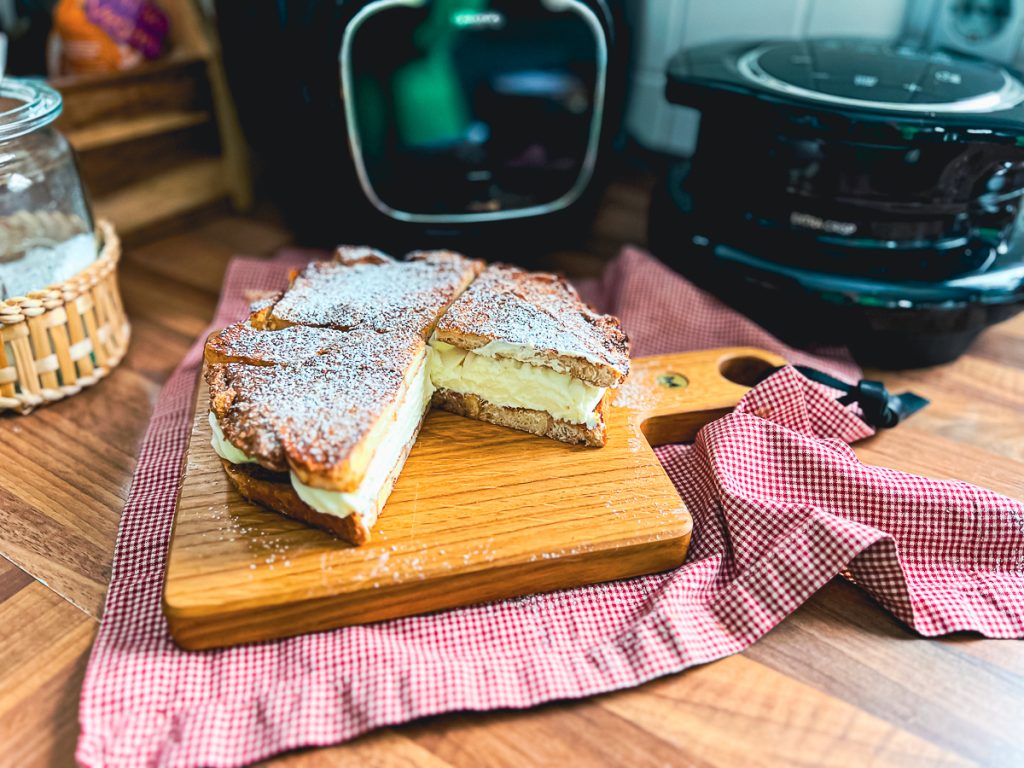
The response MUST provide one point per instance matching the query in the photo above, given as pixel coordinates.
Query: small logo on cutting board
(673, 380)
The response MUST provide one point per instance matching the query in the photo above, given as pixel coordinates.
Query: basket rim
(67, 337)
(60, 293)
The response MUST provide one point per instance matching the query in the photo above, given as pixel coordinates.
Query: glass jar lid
(26, 106)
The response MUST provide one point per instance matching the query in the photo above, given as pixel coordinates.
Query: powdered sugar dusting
(540, 311)
(375, 291)
(264, 300)
(297, 345)
(635, 393)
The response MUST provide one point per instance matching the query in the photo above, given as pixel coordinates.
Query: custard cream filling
(363, 499)
(223, 448)
(514, 383)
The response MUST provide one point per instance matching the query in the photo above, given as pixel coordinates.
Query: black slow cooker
(855, 191)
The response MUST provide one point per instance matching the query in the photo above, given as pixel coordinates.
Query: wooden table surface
(838, 683)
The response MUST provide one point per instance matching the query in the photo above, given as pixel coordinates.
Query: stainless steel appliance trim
(589, 159)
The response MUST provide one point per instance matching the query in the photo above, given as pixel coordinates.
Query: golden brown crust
(542, 315)
(523, 419)
(251, 433)
(310, 400)
(260, 307)
(360, 254)
(274, 491)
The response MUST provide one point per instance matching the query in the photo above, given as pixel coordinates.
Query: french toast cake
(316, 400)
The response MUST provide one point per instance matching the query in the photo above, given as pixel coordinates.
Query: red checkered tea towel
(780, 505)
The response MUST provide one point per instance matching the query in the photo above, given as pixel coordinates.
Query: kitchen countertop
(838, 683)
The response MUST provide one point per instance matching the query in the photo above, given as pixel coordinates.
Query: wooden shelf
(189, 187)
(175, 59)
(160, 141)
(113, 132)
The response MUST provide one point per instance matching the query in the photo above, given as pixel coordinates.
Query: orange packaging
(90, 36)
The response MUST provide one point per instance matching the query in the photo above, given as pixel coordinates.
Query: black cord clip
(881, 409)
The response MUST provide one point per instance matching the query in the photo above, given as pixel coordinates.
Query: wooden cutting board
(479, 513)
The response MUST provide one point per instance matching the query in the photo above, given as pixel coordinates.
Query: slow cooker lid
(877, 75)
(853, 84)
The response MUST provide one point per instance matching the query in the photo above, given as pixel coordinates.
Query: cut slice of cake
(522, 350)
(364, 288)
(317, 423)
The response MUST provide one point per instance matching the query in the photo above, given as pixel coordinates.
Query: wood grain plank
(739, 712)
(63, 532)
(197, 259)
(12, 579)
(189, 186)
(923, 452)
(842, 644)
(104, 134)
(993, 421)
(1002, 344)
(385, 748)
(971, 377)
(981, 424)
(153, 355)
(181, 308)
(133, 163)
(44, 645)
(260, 235)
(561, 734)
(170, 85)
(59, 506)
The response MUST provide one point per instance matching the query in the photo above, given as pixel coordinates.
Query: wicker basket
(58, 340)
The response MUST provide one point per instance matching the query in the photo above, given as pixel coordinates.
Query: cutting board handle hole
(745, 370)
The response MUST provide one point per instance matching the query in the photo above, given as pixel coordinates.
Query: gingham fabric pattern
(780, 504)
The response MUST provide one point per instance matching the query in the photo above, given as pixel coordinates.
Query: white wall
(664, 26)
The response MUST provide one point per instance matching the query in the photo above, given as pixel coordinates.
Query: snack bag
(105, 35)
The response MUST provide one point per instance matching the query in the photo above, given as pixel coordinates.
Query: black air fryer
(429, 122)
(851, 191)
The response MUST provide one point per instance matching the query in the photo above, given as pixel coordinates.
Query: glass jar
(46, 227)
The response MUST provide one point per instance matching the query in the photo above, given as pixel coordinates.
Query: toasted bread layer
(273, 490)
(291, 403)
(535, 422)
(364, 288)
(537, 318)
